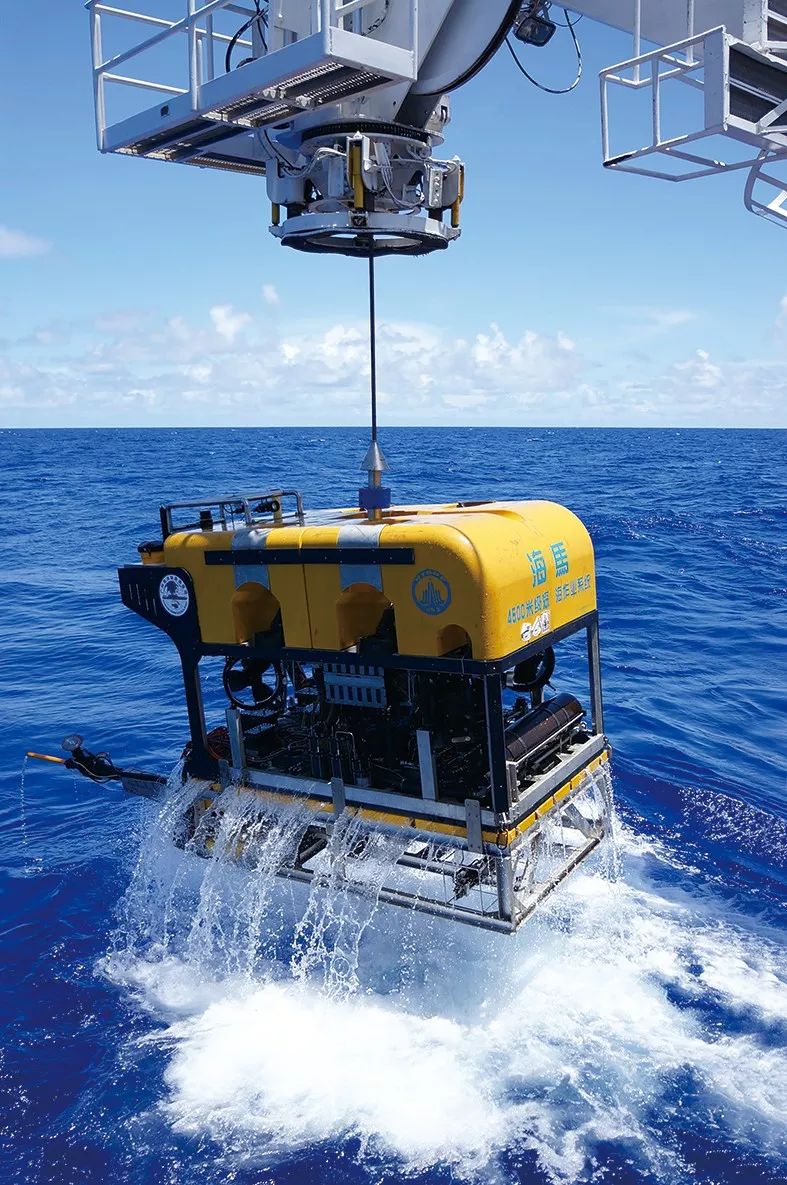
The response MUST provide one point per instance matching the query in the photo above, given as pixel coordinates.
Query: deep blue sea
(635, 1032)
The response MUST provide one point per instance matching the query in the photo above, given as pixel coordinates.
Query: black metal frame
(139, 586)
(248, 557)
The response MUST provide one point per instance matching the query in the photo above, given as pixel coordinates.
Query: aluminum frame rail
(764, 181)
(209, 118)
(489, 886)
(730, 76)
(776, 28)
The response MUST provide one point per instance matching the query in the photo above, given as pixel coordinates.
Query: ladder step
(185, 139)
(777, 26)
(757, 85)
(229, 164)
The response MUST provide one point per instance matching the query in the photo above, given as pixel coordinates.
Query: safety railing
(699, 62)
(204, 41)
(233, 511)
(766, 189)
(743, 97)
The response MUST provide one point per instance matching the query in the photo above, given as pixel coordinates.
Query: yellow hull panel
(499, 575)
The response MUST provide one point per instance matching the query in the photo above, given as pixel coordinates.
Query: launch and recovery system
(432, 672)
(340, 104)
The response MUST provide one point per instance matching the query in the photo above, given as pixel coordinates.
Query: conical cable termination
(374, 497)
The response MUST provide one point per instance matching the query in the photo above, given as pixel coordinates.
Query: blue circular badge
(431, 592)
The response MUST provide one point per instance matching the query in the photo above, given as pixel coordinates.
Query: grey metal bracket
(426, 764)
(475, 835)
(237, 743)
(338, 797)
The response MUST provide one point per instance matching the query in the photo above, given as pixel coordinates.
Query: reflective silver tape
(251, 539)
(360, 535)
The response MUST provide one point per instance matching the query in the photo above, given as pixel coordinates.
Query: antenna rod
(373, 341)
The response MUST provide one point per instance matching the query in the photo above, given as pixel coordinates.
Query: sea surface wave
(160, 1023)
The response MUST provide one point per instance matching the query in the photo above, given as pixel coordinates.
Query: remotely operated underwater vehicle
(392, 665)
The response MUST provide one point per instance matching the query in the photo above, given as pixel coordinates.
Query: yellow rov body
(397, 671)
(485, 575)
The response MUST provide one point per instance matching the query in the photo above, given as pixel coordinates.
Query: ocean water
(163, 1023)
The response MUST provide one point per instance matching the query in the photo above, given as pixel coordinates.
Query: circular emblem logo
(431, 592)
(174, 595)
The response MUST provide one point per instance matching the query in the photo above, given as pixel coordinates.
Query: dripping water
(23, 819)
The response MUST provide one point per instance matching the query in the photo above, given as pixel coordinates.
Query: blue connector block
(374, 497)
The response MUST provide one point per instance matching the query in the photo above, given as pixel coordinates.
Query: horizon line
(393, 427)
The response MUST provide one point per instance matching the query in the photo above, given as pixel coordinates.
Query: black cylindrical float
(531, 734)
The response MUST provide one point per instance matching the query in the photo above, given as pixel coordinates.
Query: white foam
(296, 1067)
(460, 1048)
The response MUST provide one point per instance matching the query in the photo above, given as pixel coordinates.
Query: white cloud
(270, 294)
(701, 372)
(199, 372)
(465, 402)
(663, 319)
(17, 244)
(233, 366)
(781, 320)
(646, 321)
(227, 322)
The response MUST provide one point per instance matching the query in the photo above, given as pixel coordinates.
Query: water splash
(23, 813)
(217, 901)
(327, 938)
(300, 1015)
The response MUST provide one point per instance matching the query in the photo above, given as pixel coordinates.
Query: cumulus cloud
(701, 372)
(227, 322)
(17, 244)
(231, 366)
(270, 294)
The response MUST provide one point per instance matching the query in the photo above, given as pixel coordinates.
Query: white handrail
(347, 6)
(143, 18)
(202, 40)
(143, 84)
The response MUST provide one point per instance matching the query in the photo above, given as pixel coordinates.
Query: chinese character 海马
(560, 556)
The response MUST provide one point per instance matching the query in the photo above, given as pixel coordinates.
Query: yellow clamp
(355, 162)
(456, 208)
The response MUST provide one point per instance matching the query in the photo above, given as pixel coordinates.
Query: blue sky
(135, 292)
